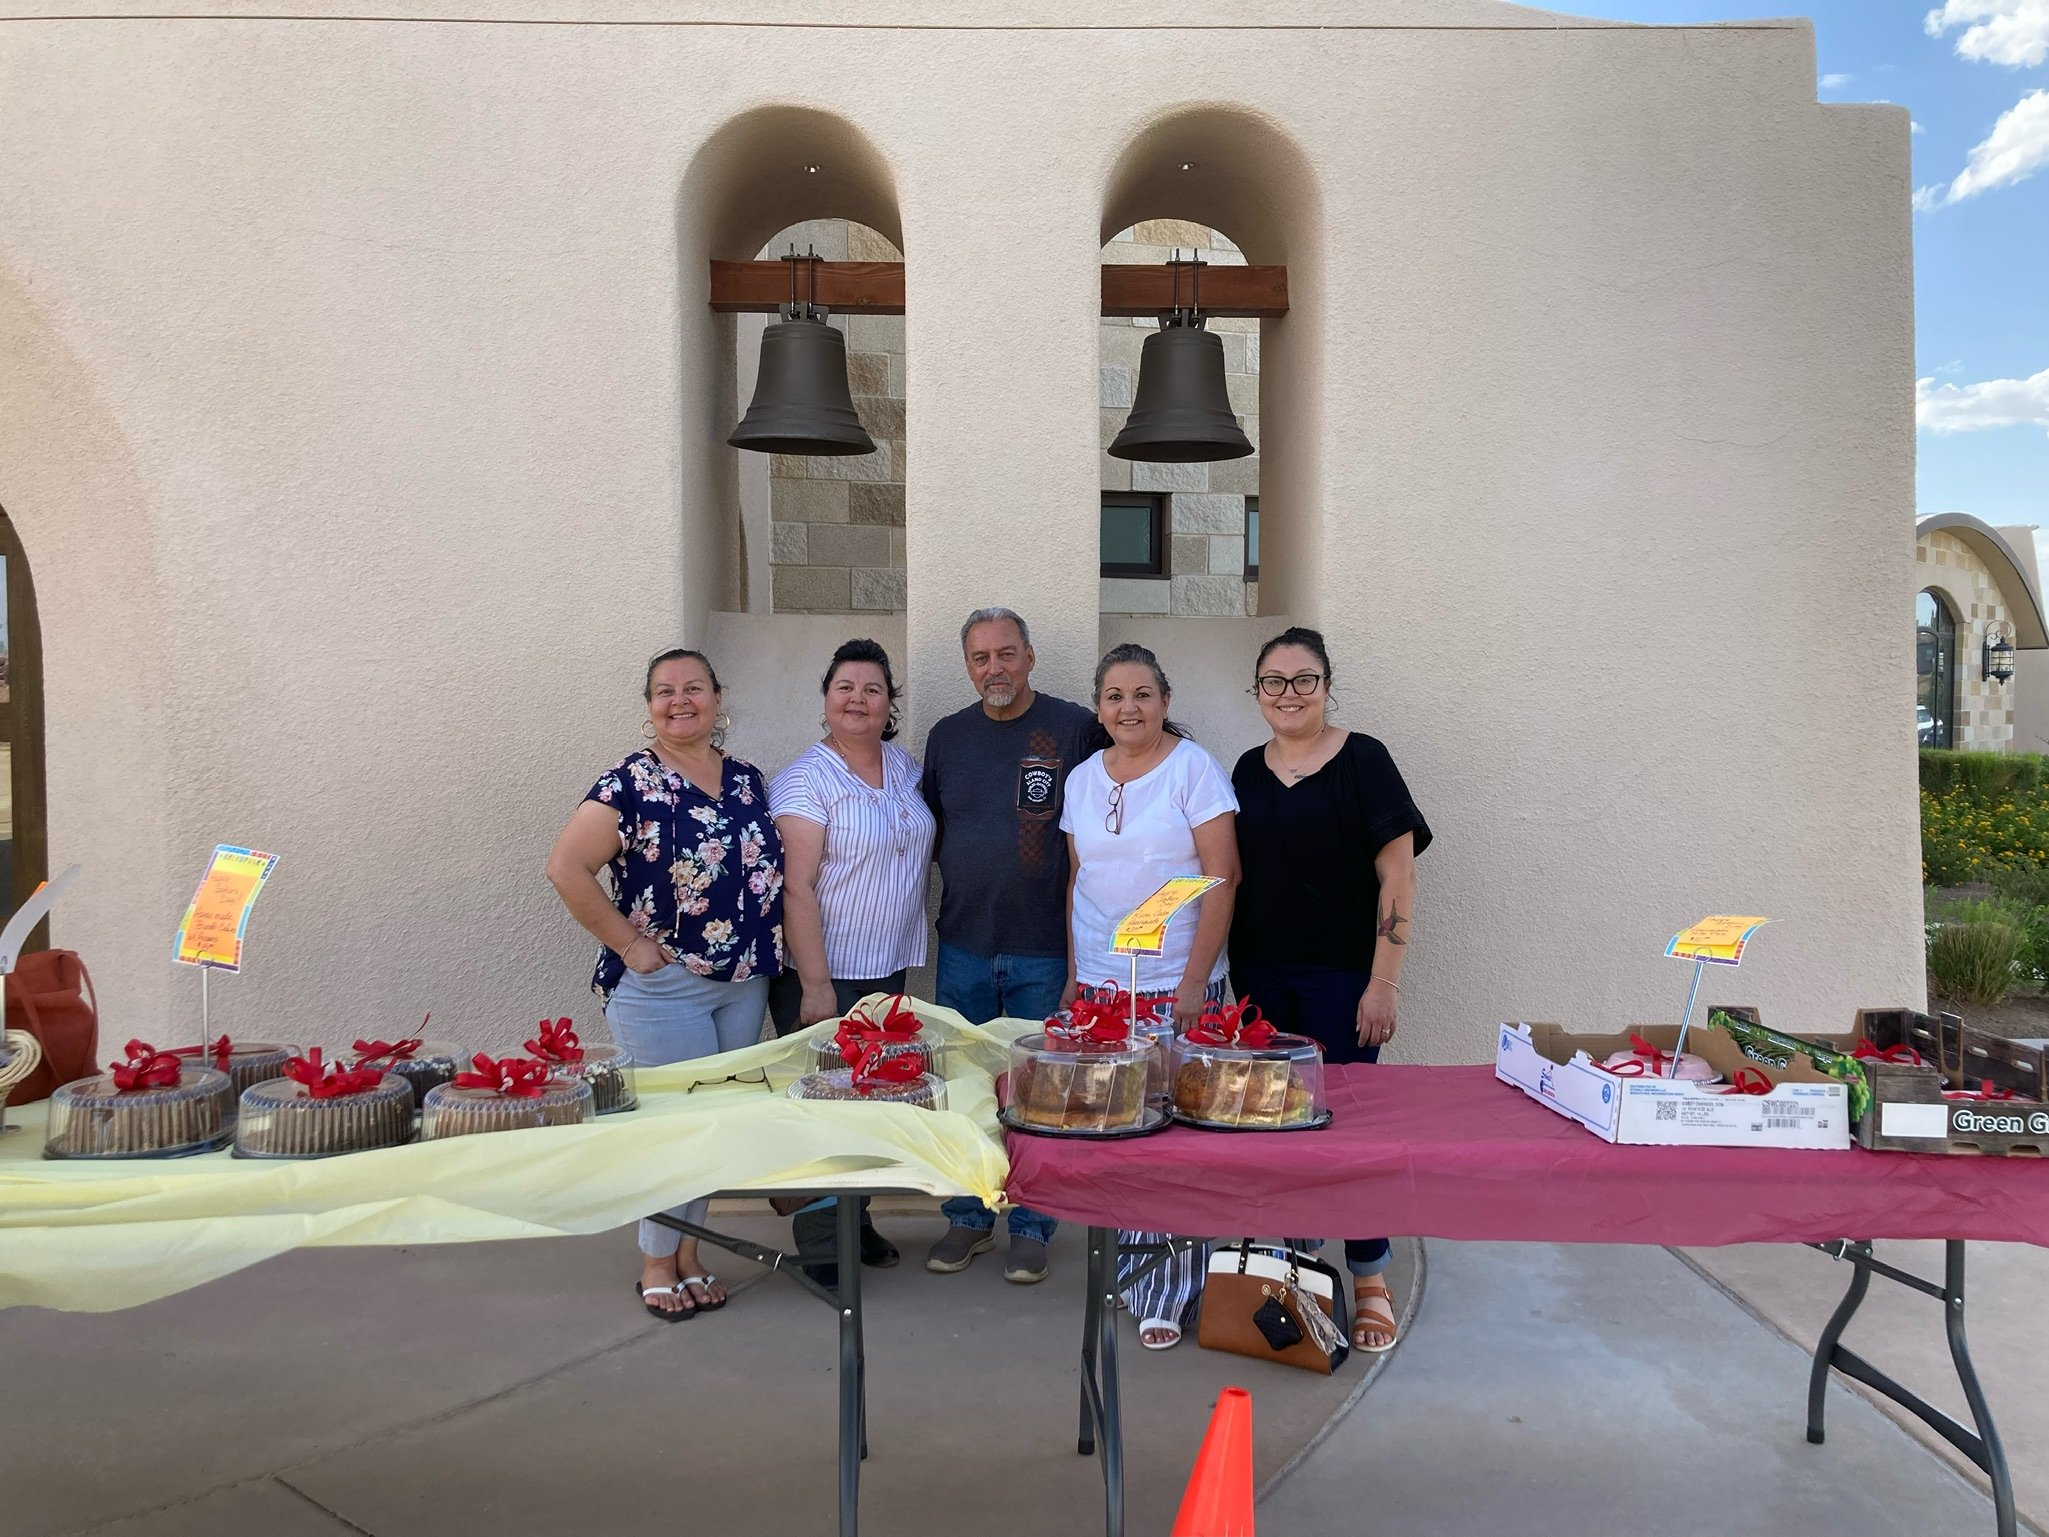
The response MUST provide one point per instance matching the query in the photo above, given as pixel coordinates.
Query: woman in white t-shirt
(1150, 806)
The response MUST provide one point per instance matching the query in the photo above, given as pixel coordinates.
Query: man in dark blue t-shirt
(993, 778)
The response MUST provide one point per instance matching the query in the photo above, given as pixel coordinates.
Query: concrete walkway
(516, 1388)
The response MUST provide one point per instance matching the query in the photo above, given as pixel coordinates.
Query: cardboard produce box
(1561, 1070)
(1908, 1113)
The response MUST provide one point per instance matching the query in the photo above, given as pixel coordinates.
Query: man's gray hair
(989, 616)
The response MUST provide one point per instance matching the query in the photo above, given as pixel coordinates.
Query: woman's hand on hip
(645, 955)
(1376, 1013)
(819, 1003)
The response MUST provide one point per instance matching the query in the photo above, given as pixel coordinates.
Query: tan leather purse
(1273, 1304)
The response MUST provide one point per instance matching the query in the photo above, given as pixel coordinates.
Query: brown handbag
(50, 995)
(1273, 1304)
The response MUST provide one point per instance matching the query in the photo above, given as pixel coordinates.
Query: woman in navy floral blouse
(692, 927)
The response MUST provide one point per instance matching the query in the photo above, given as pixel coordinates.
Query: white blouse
(871, 879)
(1155, 841)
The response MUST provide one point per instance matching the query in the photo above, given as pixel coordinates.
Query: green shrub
(2029, 922)
(1974, 962)
(2024, 884)
(1984, 775)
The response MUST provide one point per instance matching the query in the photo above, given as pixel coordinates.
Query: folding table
(1452, 1152)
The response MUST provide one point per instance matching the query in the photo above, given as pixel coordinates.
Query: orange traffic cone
(1218, 1501)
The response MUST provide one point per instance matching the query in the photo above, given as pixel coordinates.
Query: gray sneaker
(1026, 1262)
(957, 1250)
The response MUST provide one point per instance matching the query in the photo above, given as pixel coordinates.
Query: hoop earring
(719, 728)
(647, 730)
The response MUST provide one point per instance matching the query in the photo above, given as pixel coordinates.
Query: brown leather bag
(1256, 1301)
(50, 995)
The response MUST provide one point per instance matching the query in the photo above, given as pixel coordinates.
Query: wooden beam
(1259, 293)
(846, 288)
(877, 288)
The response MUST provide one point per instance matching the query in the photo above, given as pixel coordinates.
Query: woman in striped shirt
(857, 837)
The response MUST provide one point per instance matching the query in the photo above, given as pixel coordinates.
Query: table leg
(1109, 1411)
(853, 1391)
(1092, 1301)
(1981, 1441)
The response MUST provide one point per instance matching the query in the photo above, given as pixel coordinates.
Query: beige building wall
(363, 417)
(1984, 709)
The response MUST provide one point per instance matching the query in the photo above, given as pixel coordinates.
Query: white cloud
(2017, 147)
(1914, 127)
(1835, 82)
(1946, 408)
(2009, 32)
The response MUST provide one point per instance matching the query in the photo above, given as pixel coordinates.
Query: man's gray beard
(999, 698)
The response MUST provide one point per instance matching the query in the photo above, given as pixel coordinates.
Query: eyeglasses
(1273, 685)
(753, 1078)
(1114, 822)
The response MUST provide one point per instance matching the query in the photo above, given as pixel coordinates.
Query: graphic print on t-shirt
(1038, 791)
(1037, 779)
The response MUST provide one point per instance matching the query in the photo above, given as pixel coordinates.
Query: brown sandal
(1372, 1313)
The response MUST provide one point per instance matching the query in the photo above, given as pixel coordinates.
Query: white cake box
(1805, 1108)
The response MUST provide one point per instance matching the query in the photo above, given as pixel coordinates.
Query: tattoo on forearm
(1390, 925)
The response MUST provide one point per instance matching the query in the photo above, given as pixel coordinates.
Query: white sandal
(666, 1315)
(1162, 1325)
(707, 1281)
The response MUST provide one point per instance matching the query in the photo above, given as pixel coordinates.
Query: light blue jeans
(672, 1016)
(985, 987)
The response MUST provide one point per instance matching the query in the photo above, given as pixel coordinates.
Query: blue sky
(1975, 76)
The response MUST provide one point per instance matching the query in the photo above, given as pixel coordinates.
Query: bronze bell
(802, 404)
(1181, 412)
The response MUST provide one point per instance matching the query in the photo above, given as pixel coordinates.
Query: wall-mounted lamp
(802, 404)
(1998, 651)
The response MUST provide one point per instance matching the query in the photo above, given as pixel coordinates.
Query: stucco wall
(362, 416)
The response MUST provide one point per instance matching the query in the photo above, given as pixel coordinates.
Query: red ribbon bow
(374, 1051)
(876, 1067)
(899, 1026)
(1232, 1024)
(331, 1079)
(220, 1050)
(1747, 1081)
(515, 1077)
(1900, 1056)
(557, 1042)
(147, 1068)
(1649, 1062)
(1099, 1017)
(1986, 1091)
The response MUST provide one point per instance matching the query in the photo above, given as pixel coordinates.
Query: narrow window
(1134, 533)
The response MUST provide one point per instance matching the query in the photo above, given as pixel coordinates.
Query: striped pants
(1172, 1290)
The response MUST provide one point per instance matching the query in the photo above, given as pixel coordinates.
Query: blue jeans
(981, 988)
(671, 1015)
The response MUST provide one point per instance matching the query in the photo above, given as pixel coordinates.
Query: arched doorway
(1935, 669)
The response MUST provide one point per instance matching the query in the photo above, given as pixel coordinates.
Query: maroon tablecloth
(1452, 1152)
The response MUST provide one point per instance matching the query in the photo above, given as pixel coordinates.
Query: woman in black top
(1327, 842)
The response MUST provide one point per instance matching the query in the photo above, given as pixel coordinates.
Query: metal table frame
(1980, 1444)
(1102, 1410)
(853, 1364)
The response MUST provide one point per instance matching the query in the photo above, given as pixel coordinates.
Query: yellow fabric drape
(96, 1235)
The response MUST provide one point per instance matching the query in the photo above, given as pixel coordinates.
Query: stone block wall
(1205, 502)
(1984, 709)
(836, 530)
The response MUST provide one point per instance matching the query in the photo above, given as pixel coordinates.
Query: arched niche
(1234, 170)
(760, 173)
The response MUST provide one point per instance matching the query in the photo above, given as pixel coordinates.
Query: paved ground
(2006, 1315)
(515, 1388)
